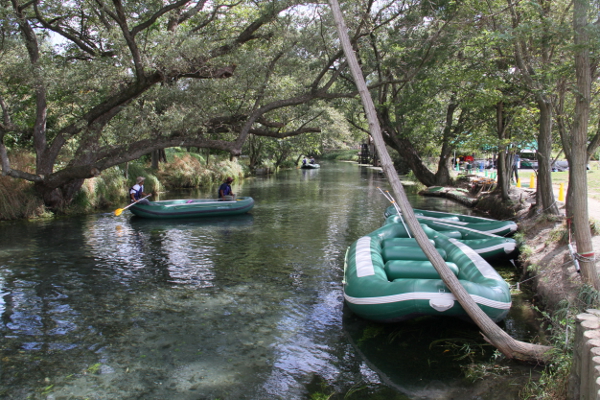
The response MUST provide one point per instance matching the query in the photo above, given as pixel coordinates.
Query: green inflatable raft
(193, 208)
(487, 245)
(500, 228)
(387, 277)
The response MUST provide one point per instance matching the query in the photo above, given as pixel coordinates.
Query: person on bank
(515, 167)
(225, 192)
(136, 192)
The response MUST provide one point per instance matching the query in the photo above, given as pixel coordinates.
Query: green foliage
(107, 189)
(415, 186)
(560, 325)
(340, 155)
(186, 171)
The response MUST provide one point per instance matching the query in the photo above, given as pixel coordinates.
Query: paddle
(118, 211)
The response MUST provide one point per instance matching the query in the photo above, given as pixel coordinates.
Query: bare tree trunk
(545, 191)
(154, 163)
(503, 161)
(496, 336)
(578, 157)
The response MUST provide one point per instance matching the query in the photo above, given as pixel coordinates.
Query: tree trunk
(496, 336)
(578, 205)
(545, 192)
(442, 176)
(407, 151)
(154, 162)
(503, 161)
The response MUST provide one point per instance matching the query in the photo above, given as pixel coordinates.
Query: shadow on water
(245, 307)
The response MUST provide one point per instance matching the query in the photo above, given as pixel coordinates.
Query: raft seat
(402, 242)
(403, 269)
(407, 253)
(451, 234)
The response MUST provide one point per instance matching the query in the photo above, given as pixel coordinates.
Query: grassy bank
(561, 295)
(182, 169)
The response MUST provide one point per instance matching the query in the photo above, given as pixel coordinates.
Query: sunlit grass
(593, 180)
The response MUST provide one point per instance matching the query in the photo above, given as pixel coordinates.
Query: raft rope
(388, 196)
(546, 209)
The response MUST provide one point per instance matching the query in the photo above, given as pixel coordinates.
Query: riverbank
(547, 270)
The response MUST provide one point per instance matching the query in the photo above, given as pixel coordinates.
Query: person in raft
(312, 160)
(304, 161)
(137, 192)
(225, 192)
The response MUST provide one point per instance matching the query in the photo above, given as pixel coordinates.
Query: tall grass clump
(186, 171)
(107, 189)
(176, 152)
(229, 168)
(18, 199)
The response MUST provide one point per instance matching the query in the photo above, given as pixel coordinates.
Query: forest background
(89, 89)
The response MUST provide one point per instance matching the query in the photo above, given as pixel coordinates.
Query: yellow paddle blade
(118, 211)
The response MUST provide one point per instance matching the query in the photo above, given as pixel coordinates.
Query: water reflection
(245, 307)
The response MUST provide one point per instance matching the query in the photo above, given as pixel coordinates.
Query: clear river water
(246, 307)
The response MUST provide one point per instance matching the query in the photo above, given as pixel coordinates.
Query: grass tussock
(189, 171)
(17, 196)
(105, 190)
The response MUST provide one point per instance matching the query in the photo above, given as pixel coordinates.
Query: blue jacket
(226, 188)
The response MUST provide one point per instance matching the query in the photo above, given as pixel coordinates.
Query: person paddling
(225, 192)
(136, 192)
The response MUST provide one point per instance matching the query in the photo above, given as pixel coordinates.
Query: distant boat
(310, 166)
(501, 228)
(387, 278)
(193, 208)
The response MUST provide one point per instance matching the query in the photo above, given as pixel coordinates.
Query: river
(246, 307)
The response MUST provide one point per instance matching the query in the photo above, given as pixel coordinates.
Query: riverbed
(244, 307)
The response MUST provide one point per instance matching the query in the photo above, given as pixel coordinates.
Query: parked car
(560, 165)
(563, 165)
(526, 163)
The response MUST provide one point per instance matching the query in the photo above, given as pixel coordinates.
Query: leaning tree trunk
(496, 336)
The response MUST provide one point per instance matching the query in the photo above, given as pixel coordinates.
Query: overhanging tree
(496, 336)
(74, 105)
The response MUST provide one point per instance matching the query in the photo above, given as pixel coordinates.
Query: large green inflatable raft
(487, 245)
(193, 208)
(387, 277)
(501, 228)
